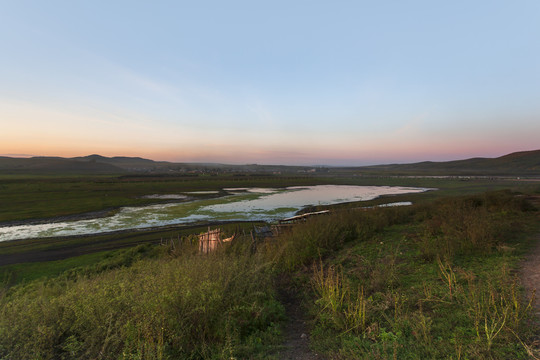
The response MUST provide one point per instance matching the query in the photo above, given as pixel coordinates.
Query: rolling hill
(55, 165)
(524, 163)
(518, 163)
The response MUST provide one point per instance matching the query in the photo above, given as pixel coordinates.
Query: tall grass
(494, 306)
(425, 281)
(188, 307)
(338, 305)
(470, 224)
(320, 236)
(393, 294)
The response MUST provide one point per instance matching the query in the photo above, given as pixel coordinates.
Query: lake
(240, 204)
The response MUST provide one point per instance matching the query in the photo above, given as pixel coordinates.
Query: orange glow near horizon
(294, 94)
(51, 132)
(344, 156)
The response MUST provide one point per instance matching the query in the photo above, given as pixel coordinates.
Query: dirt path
(530, 277)
(530, 270)
(296, 332)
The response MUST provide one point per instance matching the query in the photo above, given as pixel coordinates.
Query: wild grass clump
(470, 224)
(381, 297)
(339, 306)
(494, 306)
(466, 317)
(189, 307)
(309, 240)
(427, 281)
(320, 236)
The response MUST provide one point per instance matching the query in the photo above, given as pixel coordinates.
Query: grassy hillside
(519, 163)
(55, 165)
(526, 163)
(98, 164)
(435, 280)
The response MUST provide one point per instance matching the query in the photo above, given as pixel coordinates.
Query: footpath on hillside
(530, 278)
(296, 346)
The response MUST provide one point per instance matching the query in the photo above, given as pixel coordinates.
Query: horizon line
(29, 156)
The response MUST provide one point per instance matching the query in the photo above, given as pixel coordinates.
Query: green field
(32, 197)
(46, 197)
(42, 197)
(433, 280)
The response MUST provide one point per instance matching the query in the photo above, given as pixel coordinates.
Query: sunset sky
(268, 82)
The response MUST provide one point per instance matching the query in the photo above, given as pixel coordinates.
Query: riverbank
(60, 248)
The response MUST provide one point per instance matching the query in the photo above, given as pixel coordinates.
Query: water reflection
(242, 204)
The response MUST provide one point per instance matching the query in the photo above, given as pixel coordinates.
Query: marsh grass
(31, 197)
(323, 235)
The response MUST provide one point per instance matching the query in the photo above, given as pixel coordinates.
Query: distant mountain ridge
(523, 163)
(53, 165)
(526, 163)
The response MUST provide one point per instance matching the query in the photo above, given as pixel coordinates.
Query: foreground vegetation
(433, 280)
(166, 307)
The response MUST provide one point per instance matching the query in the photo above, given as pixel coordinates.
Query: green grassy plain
(39, 197)
(433, 280)
(24, 197)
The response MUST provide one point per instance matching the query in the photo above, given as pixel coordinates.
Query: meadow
(45, 197)
(434, 280)
(27, 197)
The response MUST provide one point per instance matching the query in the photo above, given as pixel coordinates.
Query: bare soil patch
(296, 345)
(530, 269)
(530, 277)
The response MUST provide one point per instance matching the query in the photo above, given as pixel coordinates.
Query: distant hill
(525, 163)
(97, 164)
(55, 165)
(124, 163)
(518, 163)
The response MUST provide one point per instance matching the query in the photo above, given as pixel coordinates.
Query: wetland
(235, 204)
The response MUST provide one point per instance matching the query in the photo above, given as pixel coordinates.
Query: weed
(156, 308)
(344, 309)
(448, 276)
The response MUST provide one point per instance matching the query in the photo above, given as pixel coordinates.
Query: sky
(270, 82)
